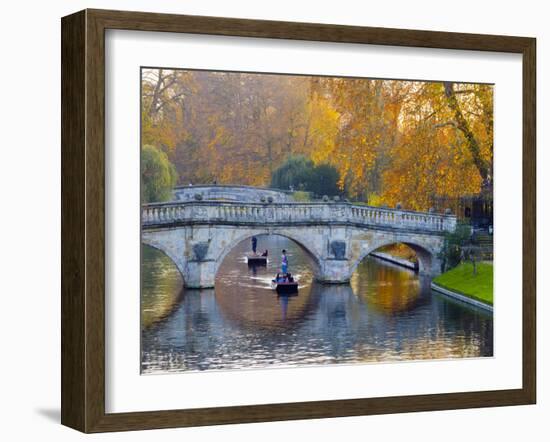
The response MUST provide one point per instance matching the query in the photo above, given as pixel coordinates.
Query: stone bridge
(225, 192)
(337, 236)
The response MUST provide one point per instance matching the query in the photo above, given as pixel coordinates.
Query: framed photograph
(267, 221)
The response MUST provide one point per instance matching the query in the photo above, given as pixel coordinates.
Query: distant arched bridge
(228, 192)
(198, 235)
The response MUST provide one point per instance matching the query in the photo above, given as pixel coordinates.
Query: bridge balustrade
(159, 214)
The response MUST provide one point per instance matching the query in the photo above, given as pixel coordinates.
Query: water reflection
(161, 285)
(386, 313)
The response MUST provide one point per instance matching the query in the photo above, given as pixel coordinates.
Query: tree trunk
(156, 94)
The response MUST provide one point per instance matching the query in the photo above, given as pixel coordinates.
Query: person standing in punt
(284, 262)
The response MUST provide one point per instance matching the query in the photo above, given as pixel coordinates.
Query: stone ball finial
(431, 210)
(398, 206)
(269, 199)
(262, 199)
(448, 211)
(325, 198)
(336, 198)
(198, 196)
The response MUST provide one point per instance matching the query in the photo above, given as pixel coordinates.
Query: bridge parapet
(216, 212)
(225, 192)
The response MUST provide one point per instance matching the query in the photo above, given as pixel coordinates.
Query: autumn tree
(388, 141)
(444, 148)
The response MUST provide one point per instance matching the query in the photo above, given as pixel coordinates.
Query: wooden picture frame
(83, 220)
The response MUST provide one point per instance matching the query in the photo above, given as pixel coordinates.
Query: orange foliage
(391, 141)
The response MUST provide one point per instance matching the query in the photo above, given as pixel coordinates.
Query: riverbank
(395, 260)
(463, 284)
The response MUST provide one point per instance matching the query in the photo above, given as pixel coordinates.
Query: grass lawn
(461, 279)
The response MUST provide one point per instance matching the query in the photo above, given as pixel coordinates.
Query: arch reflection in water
(386, 313)
(161, 285)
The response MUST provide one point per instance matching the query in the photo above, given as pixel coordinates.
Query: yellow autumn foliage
(391, 141)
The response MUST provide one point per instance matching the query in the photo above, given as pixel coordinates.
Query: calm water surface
(386, 313)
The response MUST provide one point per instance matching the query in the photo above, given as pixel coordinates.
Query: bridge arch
(172, 253)
(247, 234)
(428, 263)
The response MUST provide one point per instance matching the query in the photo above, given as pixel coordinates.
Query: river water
(386, 313)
